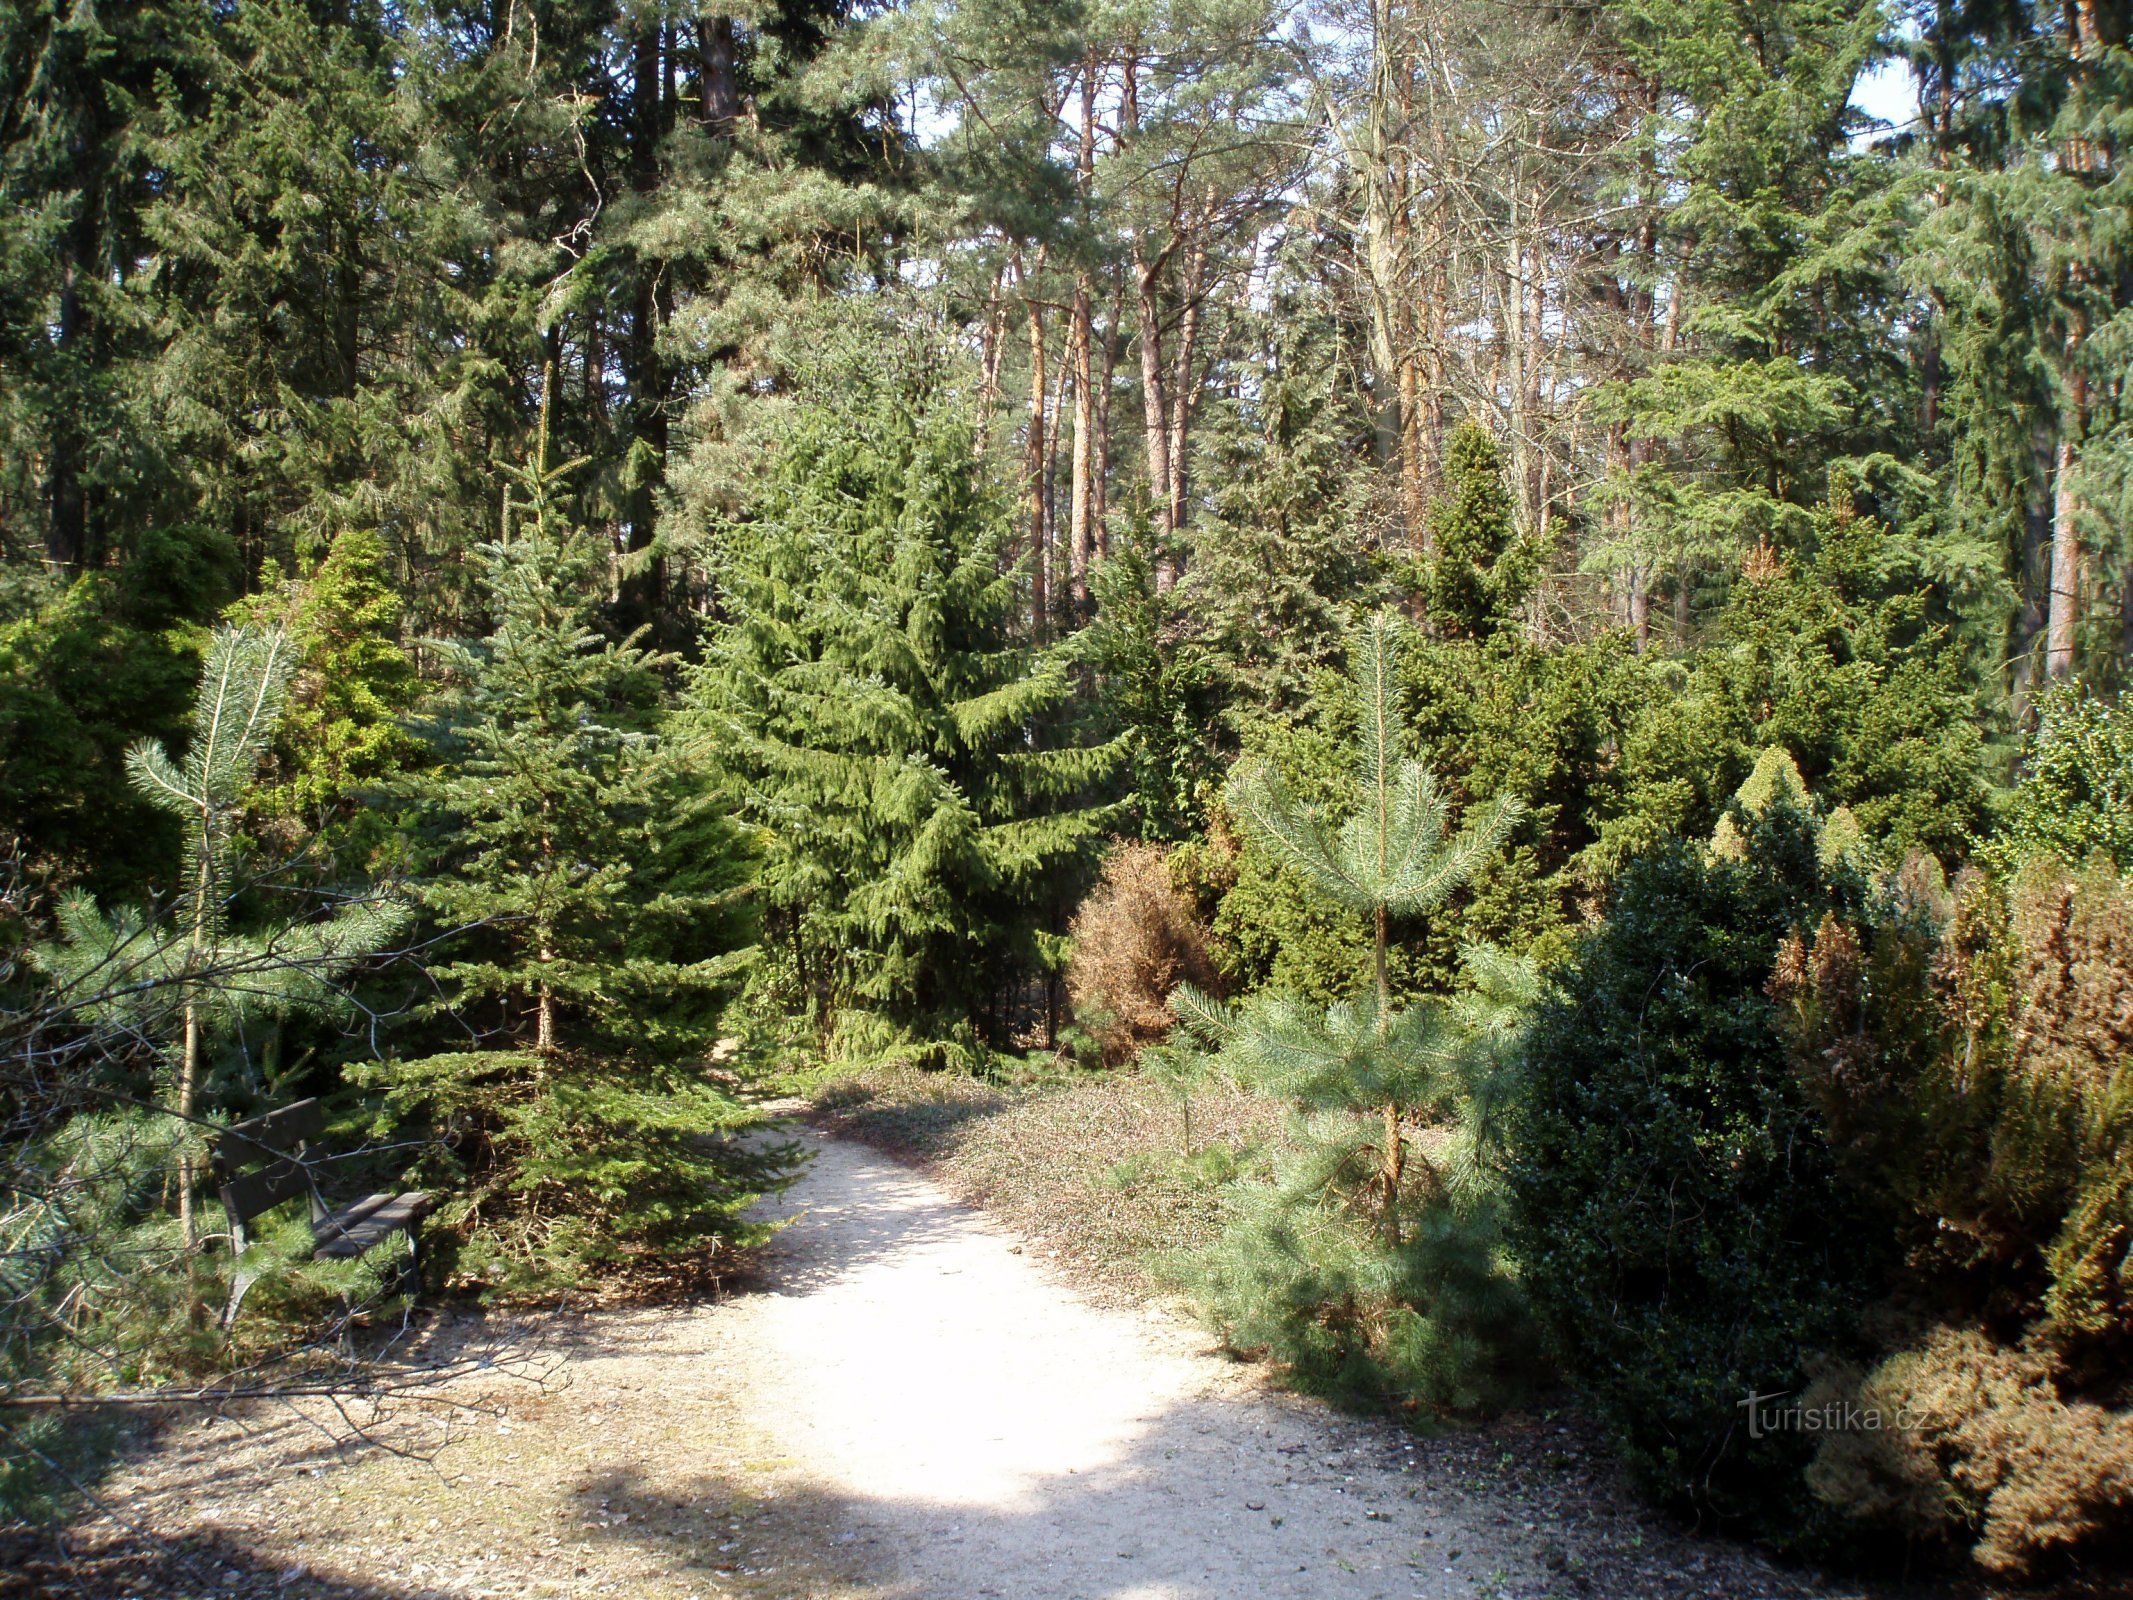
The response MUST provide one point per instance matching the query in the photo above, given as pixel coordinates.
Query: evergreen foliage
(1371, 1261)
(591, 880)
(553, 806)
(1158, 689)
(1277, 561)
(193, 973)
(342, 738)
(87, 667)
(1480, 571)
(986, 422)
(1832, 654)
(1676, 1207)
(2075, 799)
(924, 821)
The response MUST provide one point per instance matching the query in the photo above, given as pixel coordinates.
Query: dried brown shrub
(1136, 938)
(1974, 1437)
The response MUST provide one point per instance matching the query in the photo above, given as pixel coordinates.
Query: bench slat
(348, 1216)
(276, 1133)
(376, 1226)
(245, 1197)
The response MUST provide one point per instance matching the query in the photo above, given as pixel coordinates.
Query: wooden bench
(270, 1160)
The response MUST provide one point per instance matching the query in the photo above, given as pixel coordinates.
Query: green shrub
(1676, 1209)
(2076, 795)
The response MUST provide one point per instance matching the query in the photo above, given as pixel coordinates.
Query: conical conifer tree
(595, 887)
(925, 821)
(1481, 571)
(1387, 1304)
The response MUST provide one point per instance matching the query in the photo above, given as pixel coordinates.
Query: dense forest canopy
(785, 534)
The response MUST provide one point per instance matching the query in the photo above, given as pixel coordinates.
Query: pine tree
(194, 966)
(924, 823)
(1419, 1299)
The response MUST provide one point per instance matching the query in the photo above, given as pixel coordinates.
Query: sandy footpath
(911, 1405)
(997, 1434)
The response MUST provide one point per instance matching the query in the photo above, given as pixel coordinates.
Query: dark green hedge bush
(1675, 1204)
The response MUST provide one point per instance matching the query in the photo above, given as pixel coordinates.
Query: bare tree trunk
(2065, 594)
(992, 344)
(1054, 426)
(1081, 510)
(1183, 390)
(2064, 612)
(1155, 419)
(1100, 471)
(1033, 452)
(720, 93)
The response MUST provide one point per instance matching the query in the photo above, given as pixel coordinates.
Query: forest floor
(912, 1403)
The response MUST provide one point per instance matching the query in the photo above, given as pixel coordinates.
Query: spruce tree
(590, 885)
(1418, 1299)
(925, 822)
(1277, 558)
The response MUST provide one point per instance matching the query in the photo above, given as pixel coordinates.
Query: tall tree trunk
(2078, 156)
(1055, 424)
(1033, 454)
(992, 345)
(1155, 412)
(1113, 345)
(1184, 387)
(1081, 503)
(2063, 612)
(1081, 511)
(719, 94)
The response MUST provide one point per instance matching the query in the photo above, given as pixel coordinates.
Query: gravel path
(997, 1434)
(911, 1406)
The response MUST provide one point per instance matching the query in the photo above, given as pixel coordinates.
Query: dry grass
(1094, 1168)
